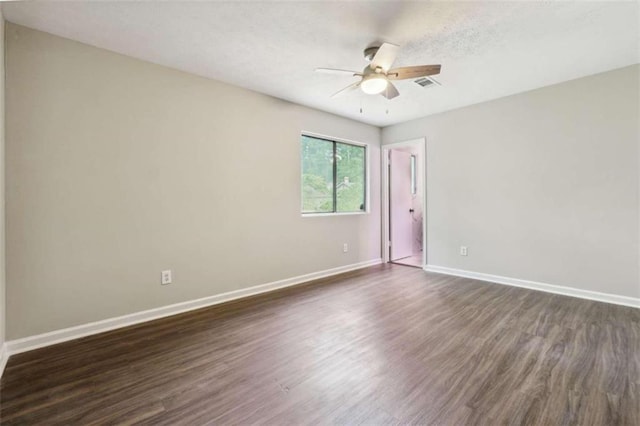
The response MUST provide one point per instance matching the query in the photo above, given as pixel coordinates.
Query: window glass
(350, 178)
(317, 175)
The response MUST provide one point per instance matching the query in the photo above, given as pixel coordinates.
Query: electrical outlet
(165, 277)
(345, 247)
(463, 250)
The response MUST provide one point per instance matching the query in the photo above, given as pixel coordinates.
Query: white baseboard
(4, 357)
(533, 285)
(58, 336)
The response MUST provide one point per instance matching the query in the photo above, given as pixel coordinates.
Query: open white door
(400, 224)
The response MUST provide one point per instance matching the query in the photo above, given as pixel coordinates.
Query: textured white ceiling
(487, 49)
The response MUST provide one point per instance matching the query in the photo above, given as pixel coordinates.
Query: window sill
(333, 214)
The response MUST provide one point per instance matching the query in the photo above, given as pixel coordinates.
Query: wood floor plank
(384, 345)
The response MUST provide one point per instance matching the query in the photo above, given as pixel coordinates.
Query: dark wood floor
(384, 345)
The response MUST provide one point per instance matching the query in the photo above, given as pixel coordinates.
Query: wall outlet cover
(165, 277)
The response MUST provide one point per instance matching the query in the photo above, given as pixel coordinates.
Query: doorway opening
(404, 239)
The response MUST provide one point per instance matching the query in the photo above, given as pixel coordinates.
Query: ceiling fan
(377, 77)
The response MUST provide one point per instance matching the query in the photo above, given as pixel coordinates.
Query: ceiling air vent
(427, 82)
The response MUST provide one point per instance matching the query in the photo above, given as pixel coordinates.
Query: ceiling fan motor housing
(370, 52)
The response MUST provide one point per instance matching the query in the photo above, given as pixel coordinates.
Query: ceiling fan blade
(413, 72)
(390, 92)
(347, 89)
(385, 56)
(337, 71)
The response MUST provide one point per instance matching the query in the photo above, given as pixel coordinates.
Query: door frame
(421, 143)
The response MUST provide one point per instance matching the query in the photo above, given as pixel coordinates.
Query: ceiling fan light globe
(374, 84)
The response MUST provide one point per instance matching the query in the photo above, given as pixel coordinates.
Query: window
(333, 176)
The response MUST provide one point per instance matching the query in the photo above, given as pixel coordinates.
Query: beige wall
(118, 169)
(541, 186)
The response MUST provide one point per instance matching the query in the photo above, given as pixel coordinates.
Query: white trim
(63, 335)
(331, 214)
(4, 357)
(533, 285)
(333, 138)
(422, 183)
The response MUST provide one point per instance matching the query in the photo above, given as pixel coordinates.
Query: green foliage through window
(333, 176)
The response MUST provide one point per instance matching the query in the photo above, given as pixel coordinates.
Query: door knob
(410, 210)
